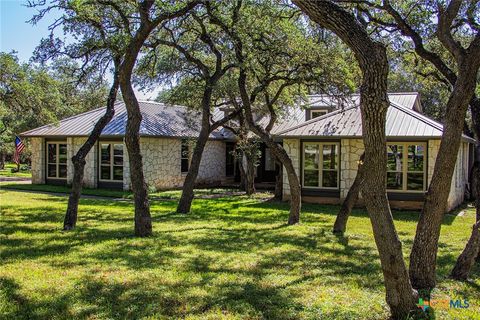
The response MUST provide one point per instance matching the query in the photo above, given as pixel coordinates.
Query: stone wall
(90, 176)
(37, 146)
(460, 178)
(350, 152)
(292, 147)
(213, 165)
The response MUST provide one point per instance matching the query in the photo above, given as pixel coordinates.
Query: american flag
(19, 146)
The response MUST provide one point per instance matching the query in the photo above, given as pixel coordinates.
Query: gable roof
(158, 120)
(401, 122)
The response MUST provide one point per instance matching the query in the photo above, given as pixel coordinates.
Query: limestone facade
(352, 149)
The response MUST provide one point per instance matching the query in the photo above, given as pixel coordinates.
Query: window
(317, 113)
(320, 165)
(406, 166)
(185, 156)
(111, 161)
(56, 160)
(269, 160)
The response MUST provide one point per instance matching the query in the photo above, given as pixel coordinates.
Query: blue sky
(19, 35)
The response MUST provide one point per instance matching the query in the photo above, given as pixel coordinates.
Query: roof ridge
(325, 116)
(419, 116)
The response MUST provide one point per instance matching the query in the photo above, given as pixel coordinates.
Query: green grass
(169, 194)
(7, 171)
(232, 258)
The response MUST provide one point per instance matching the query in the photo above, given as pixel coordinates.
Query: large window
(185, 156)
(406, 166)
(56, 160)
(320, 165)
(111, 161)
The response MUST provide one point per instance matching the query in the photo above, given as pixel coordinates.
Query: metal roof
(401, 122)
(409, 100)
(158, 120)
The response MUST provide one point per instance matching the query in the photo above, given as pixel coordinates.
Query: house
(322, 137)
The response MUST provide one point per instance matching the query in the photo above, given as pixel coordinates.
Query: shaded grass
(231, 258)
(7, 171)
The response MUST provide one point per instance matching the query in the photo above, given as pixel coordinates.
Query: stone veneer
(351, 150)
(37, 146)
(90, 176)
(161, 160)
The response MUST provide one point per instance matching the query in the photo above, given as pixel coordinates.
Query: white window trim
(57, 152)
(320, 165)
(405, 166)
(111, 165)
(324, 112)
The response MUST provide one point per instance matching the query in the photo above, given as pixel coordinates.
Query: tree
(277, 61)
(137, 21)
(372, 59)
(456, 33)
(200, 58)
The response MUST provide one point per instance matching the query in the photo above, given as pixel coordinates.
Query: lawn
(232, 258)
(7, 171)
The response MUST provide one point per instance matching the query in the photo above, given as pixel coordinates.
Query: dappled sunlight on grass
(231, 258)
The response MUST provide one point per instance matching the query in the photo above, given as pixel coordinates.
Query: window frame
(185, 142)
(111, 165)
(320, 145)
(322, 111)
(57, 158)
(405, 170)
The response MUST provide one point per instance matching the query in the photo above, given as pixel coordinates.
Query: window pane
(311, 156)
(415, 181)
(415, 157)
(330, 156)
(310, 178)
(52, 170)
(394, 180)
(62, 171)
(184, 165)
(315, 114)
(62, 153)
(117, 173)
(329, 179)
(105, 153)
(118, 154)
(52, 153)
(105, 172)
(184, 152)
(394, 157)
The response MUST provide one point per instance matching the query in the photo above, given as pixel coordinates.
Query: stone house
(323, 138)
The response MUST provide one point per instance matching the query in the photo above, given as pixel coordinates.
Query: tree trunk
(78, 159)
(2, 160)
(340, 224)
(423, 257)
(249, 174)
(279, 181)
(185, 203)
(466, 260)
(372, 59)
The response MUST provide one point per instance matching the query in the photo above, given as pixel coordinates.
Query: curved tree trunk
(372, 58)
(340, 224)
(185, 202)
(466, 260)
(423, 258)
(78, 159)
(279, 181)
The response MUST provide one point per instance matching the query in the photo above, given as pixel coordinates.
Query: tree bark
(340, 224)
(185, 203)
(78, 159)
(2, 160)
(425, 245)
(372, 59)
(249, 174)
(466, 260)
(278, 194)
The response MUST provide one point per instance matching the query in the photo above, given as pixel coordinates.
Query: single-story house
(322, 136)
